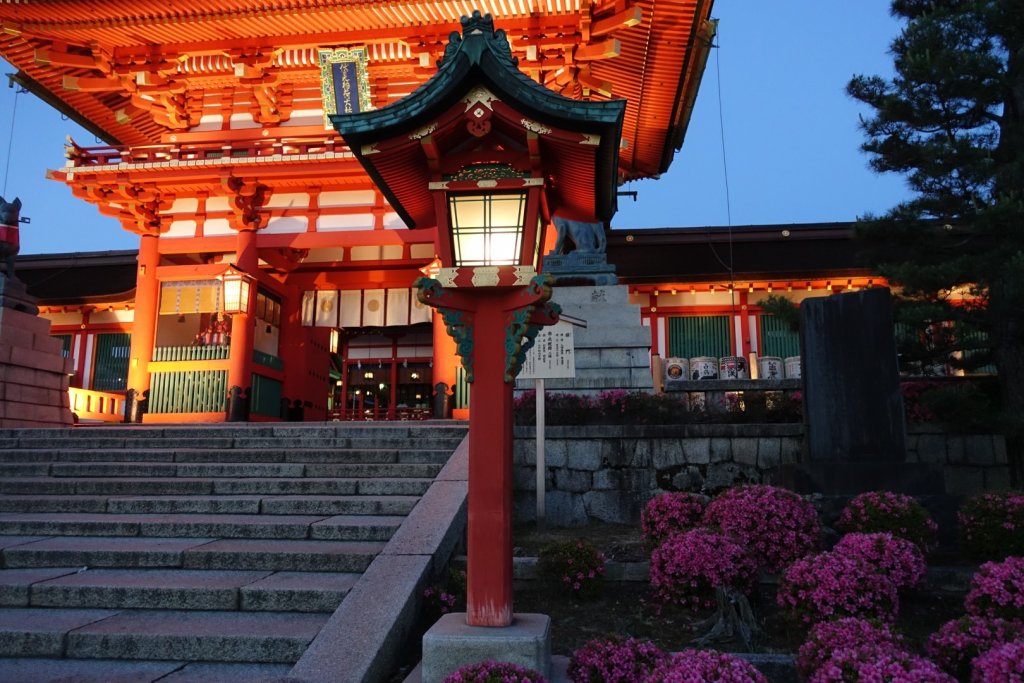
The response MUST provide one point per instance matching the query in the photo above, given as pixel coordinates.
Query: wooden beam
(595, 84)
(606, 49)
(631, 17)
(58, 58)
(89, 84)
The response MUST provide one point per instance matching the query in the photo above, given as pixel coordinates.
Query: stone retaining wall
(606, 473)
(971, 463)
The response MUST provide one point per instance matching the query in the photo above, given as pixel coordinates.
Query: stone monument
(852, 404)
(34, 374)
(613, 350)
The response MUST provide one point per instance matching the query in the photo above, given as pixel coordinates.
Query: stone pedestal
(451, 644)
(613, 351)
(34, 374)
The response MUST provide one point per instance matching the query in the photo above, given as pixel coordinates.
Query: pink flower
(985, 520)
(614, 660)
(670, 513)
(831, 585)
(895, 557)
(688, 567)
(997, 590)
(849, 633)
(1002, 664)
(705, 666)
(495, 672)
(898, 514)
(775, 524)
(958, 642)
(893, 666)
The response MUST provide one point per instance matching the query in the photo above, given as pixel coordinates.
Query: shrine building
(269, 260)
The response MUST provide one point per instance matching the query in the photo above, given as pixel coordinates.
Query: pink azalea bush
(688, 567)
(992, 525)
(895, 513)
(832, 585)
(670, 513)
(997, 590)
(575, 566)
(775, 524)
(705, 666)
(955, 645)
(849, 633)
(897, 558)
(893, 666)
(1002, 664)
(614, 660)
(495, 672)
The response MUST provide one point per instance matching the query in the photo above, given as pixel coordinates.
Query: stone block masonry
(34, 374)
(607, 473)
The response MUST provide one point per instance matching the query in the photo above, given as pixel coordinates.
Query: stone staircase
(211, 553)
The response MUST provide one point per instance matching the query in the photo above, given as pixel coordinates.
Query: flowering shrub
(997, 590)
(688, 567)
(898, 514)
(670, 513)
(438, 600)
(775, 524)
(830, 585)
(705, 666)
(573, 565)
(495, 672)
(955, 645)
(992, 525)
(1002, 664)
(885, 667)
(897, 558)
(849, 633)
(614, 660)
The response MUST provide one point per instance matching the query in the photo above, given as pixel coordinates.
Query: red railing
(84, 157)
(102, 406)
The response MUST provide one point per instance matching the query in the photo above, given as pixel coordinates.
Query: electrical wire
(10, 140)
(729, 266)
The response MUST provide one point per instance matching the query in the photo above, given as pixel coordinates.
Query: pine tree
(952, 121)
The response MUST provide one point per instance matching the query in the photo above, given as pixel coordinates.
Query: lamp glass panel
(487, 228)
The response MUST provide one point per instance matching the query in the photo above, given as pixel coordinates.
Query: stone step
(280, 526)
(221, 505)
(289, 430)
(194, 470)
(184, 589)
(174, 486)
(239, 455)
(188, 553)
(139, 671)
(270, 637)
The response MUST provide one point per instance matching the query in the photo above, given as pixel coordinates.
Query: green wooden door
(698, 335)
(778, 339)
(111, 368)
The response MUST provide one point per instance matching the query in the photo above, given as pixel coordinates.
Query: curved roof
(482, 57)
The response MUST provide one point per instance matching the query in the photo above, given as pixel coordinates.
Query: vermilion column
(147, 292)
(489, 552)
(495, 320)
(242, 333)
(445, 361)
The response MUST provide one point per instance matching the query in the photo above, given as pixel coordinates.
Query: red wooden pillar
(147, 293)
(489, 557)
(242, 332)
(488, 315)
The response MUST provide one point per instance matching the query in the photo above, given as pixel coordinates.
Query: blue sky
(790, 134)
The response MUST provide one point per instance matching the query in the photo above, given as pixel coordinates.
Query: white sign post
(552, 356)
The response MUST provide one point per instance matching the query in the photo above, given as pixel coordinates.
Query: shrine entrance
(383, 375)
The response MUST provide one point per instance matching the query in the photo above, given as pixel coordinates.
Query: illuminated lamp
(237, 288)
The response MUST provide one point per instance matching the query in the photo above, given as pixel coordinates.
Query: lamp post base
(451, 643)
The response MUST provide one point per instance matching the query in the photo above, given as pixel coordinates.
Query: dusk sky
(790, 134)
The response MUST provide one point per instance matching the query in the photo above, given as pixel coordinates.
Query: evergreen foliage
(952, 121)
